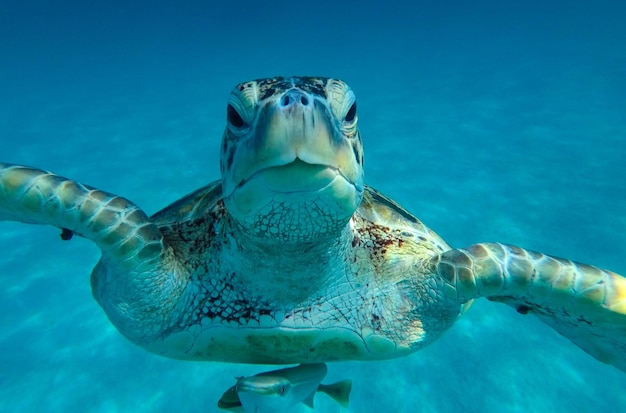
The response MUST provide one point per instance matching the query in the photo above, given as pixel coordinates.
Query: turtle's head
(292, 158)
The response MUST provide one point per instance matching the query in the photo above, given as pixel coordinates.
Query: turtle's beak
(297, 176)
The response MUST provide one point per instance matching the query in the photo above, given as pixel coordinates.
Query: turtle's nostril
(294, 97)
(286, 100)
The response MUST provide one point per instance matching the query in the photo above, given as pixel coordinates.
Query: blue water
(500, 121)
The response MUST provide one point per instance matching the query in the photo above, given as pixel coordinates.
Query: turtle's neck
(288, 273)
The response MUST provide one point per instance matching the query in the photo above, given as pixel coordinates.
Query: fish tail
(339, 392)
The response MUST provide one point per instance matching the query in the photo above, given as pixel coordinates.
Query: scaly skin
(116, 225)
(583, 303)
(133, 249)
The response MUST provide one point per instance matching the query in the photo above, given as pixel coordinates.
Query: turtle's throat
(293, 272)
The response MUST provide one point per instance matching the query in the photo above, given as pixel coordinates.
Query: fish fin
(229, 400)
(309, 400)
(339, 392)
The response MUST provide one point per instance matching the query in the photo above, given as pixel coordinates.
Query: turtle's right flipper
(116, 225)
(583, 303)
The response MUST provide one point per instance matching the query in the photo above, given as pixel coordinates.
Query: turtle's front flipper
(137, 281)
(583, 303)
(117, 226)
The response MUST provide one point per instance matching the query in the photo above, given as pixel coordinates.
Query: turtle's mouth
(296, 176)
(294, 202)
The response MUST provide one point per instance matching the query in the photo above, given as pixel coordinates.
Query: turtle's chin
(297, 202)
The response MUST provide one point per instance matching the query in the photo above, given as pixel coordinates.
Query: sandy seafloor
(499, 121)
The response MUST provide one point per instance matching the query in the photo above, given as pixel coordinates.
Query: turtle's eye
(234, 118)
(351, 115)
(282, 390)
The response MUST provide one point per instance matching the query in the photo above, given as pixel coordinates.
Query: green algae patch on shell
(277, 345)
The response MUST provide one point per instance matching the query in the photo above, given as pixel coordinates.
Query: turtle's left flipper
(121, 229)
(136, 281)
(583, 303)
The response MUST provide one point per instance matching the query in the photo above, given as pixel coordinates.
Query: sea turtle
(290, 258)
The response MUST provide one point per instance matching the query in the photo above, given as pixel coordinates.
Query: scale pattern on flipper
(116, 225)
(583, 303)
